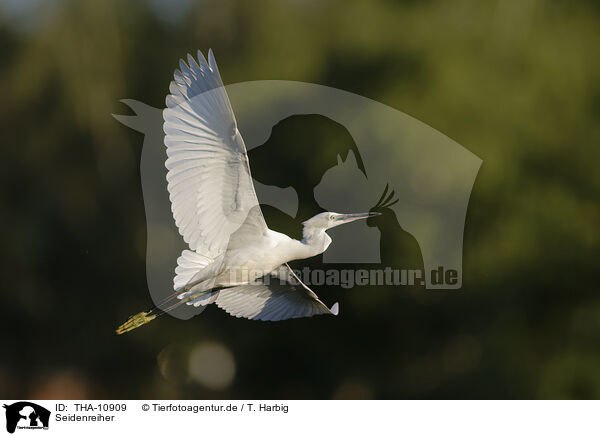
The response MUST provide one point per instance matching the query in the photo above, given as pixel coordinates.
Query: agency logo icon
(26, 415)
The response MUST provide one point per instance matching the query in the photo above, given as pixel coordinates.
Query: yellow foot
(134, 322)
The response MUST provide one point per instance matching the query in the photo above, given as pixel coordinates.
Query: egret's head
(327, 220)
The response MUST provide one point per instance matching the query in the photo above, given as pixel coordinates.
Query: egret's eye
(332, 217)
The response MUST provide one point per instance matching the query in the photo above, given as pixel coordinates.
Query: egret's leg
(154, 312)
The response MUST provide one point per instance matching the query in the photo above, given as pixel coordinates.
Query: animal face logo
(26, 415)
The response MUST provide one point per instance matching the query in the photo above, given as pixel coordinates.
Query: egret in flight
(234, 260)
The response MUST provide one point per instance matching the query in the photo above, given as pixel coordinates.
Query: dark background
(516, 82)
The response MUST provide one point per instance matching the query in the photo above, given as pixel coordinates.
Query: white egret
(233, 254)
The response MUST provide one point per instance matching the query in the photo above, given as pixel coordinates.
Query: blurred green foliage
(516, 82)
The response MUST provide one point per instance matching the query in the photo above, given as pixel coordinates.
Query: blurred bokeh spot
(212, 365)
(61, 385)
(353, 389)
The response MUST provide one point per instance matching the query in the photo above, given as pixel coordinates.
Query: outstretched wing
(280, 296)
(209, 179)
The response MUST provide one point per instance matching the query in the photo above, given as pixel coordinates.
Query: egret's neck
(314, 241)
